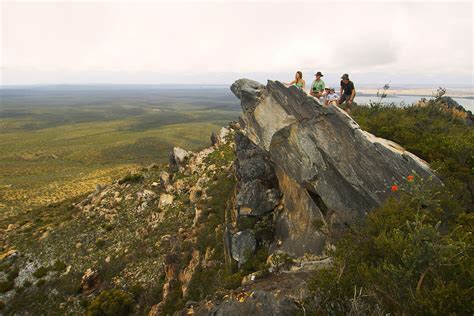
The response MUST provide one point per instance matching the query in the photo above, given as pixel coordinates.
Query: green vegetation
(413, 255)
(431, 132)
(13, 274)
(206, 281)
(131, 178)
(111, 302)
(58, 266)
(40, 272)
(6, 286)
(59, 143)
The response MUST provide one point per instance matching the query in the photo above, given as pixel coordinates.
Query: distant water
(468, 104)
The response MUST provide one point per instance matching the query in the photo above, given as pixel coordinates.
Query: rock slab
(328, 169)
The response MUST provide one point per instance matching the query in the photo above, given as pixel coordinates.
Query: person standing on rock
(318, 85)
(347, 93)
(298, 82)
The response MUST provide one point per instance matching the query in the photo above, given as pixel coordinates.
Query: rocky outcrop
(178, 158)
(328, 170)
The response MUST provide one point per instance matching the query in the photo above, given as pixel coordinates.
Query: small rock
(164, 178)
(44, 235)
(165, 200)
(8, 254)
(11, 227)
(211, 167)
(90, 280)
(197, 216)
(68, 269)
(252, 277)
(191, 304)
(195, 194)
(169, 188)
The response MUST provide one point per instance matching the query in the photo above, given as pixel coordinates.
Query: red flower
(394, 188)
(410, 178)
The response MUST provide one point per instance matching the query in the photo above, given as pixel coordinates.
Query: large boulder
(328, 169)
(243, 245)
(255, 200)
(178, 158)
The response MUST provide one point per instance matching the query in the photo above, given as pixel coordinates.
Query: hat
(327, 88)
(345, 76)
(331, 89)
(319, 74)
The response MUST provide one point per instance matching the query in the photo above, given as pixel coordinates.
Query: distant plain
(58, 142)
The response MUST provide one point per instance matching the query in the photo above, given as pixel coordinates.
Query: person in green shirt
(298, 82)
(317, 87)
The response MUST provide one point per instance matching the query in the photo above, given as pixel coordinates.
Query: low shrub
(40, 272)
(406, 258)
(111, 302)
(40, 283)
(13, 274)
(131, 178)
(58, 265)
(6, 286)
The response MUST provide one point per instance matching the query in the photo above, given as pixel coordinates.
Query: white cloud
(204, 41)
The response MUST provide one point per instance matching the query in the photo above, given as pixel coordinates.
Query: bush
(27, 284)
(4, 266)
(111, 302)
(6, 286)
(432, 133)
(403, 259)
(13, 274)
(40, 283)
(40, 272)
(58, 266)
(131, 178)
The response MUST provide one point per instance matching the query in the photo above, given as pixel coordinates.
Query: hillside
(59, 142)
(289, 212)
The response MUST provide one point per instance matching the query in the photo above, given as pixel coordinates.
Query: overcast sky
(220, 41)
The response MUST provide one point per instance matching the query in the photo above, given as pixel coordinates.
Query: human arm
(353, 93)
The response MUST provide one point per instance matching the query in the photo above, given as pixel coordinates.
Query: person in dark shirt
(347, 93)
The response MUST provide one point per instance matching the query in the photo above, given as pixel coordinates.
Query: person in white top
(331, 97)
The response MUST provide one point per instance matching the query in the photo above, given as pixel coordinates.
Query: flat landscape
(58, 142)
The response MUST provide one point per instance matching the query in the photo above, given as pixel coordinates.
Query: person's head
(318, 75)
(298, 75)
(345, 78)
(326, 90)
(332, 90)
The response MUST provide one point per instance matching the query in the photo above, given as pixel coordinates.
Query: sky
(77, 42)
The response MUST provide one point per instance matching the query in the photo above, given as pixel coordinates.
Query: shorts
(344, 98)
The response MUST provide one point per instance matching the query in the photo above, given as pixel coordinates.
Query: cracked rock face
(328, 169)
